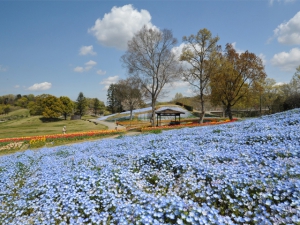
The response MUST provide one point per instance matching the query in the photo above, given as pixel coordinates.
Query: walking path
(112, 126)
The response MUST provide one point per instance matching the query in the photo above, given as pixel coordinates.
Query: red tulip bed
(40, 141)
(168, 127)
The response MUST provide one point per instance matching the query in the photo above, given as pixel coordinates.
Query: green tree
(6, 109)
(200, 53)
(177, 97)
(81, 104)
(270, 93)
(238, 75)
(22, 102)
(149, 58)
(36, 107)
(67, 106)
(98, 106)
(113, 103)
(17, 97)
(52, 107)
(30, 97)
(292, 102)
(8, 99)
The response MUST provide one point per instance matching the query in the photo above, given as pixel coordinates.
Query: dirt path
(110, 125)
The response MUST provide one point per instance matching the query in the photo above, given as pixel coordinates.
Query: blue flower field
(238, 173)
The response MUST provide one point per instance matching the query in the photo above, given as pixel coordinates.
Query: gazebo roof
(168, 112)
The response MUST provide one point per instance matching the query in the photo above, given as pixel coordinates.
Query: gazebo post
(160, 120)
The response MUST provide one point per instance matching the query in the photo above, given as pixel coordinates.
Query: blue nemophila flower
(239, 173)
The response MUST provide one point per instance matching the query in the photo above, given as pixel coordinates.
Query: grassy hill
(23, 126)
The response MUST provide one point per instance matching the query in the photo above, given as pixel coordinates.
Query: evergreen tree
(113, 104)
(81, 104)
(98, 106)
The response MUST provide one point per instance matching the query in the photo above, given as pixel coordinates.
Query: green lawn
(33, 125)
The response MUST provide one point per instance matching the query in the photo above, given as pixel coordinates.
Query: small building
(168, 112)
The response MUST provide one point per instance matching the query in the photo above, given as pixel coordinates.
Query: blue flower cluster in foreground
(239, 173)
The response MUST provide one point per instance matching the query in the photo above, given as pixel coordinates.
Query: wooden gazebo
(168, 112)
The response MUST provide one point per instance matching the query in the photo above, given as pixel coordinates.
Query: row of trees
(224, 77)
(227, 76)
(271, 98)
(50, 106)
(125, 95)
(279, 97)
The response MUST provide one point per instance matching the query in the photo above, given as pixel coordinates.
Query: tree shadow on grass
(50, 120)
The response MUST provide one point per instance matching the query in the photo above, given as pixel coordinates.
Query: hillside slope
(239, 173)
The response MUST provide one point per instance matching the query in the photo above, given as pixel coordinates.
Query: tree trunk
(153, 114)
(201, 117)
(202, 114)
(229, 111)
(130, 114)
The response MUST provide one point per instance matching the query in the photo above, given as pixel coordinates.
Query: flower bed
(39, 141)
(235, 173)
(147, 129)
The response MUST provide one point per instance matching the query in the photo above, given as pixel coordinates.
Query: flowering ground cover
(168, 127)
(237, 173)
(54, 139)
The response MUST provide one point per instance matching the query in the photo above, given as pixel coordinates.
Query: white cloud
(88, 65)
(285, 1)
(263, 58)
(177, 52)
(40, 87)
(289, 32)
(279, 84)
(78, 69)
(17, 86)
(116, 28)
(287, 61)
(87, 50)
(177, 84)
(110, 80)
(3, 68)
(101, 72)
(239, 51)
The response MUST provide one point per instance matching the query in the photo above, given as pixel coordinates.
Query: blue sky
(66, 47)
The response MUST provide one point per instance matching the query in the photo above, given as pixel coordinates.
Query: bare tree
(129, 94)
(149, 58)
(200, 52)
(295, 82)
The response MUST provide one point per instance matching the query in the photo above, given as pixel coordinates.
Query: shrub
(189, 108)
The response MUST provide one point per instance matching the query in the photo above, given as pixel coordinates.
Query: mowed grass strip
(34, 126)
